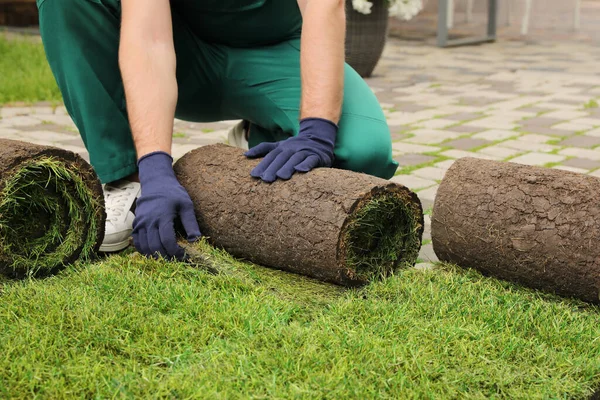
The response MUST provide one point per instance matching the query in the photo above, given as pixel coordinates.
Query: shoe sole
(114, 247)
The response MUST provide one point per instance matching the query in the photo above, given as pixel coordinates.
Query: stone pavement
(531, 103)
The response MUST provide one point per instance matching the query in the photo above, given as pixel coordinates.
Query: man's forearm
(322, 59)
(148, 71)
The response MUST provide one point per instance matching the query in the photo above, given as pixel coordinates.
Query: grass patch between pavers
(134, 327)
(25, 75)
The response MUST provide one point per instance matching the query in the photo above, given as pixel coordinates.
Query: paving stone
(74, 141)
(535, 109)
(445, 165)
(571, 169)
(6, 132)
(61, 120)
(431, 136)
(61, 110)
(425, 266)
(581, 163)
(499, 152)
(461, 153)
(467, 143)
(427, 254)
(409, 148)
(581, 141)
(533, 138)
(581, 153)
(595, 173)
(426, 227)
(566, 114)
(543, 130)
(464, 129)
(427, 195)
(408, 107)
(528, 146)
(537, 159)
(21, 120)
(492, 123)
(558, 106)
(436, 123)
(8, 112)
(543, 121)
(430, 173)
(413, 182)
(463, 116)
(494, 134)
(570, 126)
(587, 121)
(45, 136)
(407, 160)
(178, 150)
(42, 110)
(594, 132)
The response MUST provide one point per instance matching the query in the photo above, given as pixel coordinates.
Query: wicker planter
(18, 12)
(365, 36)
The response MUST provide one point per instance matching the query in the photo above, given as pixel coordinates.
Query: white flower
(362, 6)
(405, 9)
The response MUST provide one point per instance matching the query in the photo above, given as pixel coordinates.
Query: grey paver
(582, 163)
(430, 173)
(571, 169)
(538, 159)
(582, 153)
(467, 143)
(581, 141)
(427, 254)
(413, 159)
(543, 121)
(413, 182)
(499, 151)
(495, 134)
(543, 130)
(464, 129)
(463, 116)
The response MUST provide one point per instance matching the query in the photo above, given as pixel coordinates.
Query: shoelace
(115, 199)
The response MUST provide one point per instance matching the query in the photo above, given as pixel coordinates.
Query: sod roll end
(535, 226)
(51, 209)
(334, 225)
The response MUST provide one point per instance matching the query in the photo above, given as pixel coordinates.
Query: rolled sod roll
(333, 225)
(51, 209)
(535, 226)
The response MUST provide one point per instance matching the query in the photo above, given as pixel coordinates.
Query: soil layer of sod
(334, 225)
(536, 226)
(51, 209)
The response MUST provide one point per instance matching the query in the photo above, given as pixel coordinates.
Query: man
(276, 64)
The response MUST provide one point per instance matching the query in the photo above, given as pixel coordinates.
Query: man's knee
(368, 150)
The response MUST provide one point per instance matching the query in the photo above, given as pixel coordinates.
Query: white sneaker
(119, 198)
(238, 135)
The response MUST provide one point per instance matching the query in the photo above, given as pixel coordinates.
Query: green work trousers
(236, 59)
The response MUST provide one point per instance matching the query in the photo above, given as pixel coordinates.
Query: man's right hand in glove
(163, 200)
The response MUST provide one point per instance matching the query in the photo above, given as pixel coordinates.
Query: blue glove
(312, 148)
(163, 199)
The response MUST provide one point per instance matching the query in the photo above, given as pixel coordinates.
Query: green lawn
(129, 327)
(24, 72)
